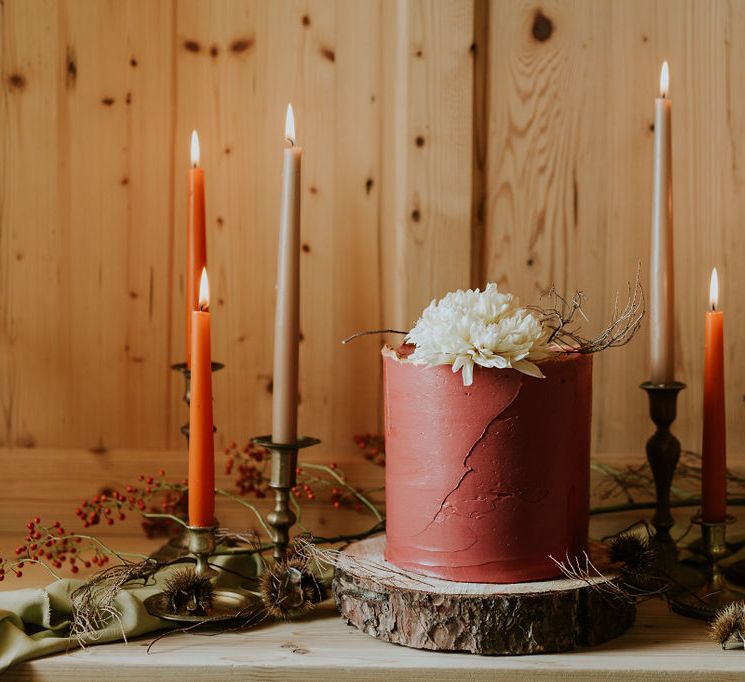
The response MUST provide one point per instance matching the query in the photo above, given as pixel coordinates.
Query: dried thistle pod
(188, 593)
(728, 627)
(289, 588)
(632, 551)
(637, 561)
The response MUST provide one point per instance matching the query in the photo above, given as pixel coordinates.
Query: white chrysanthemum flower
(487, 328)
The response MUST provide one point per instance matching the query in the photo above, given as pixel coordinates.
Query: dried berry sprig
(373, 447)
(333, 472)
(111, 505)
(52, 546)
(249, 464)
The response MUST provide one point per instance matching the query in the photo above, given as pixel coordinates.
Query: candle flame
(290, 125)
(194, 149)
(714, 289)
(664, 79)
(204, 291)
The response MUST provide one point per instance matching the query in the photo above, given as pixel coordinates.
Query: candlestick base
(283, 480)
(663, 453)
(226, 603)
(715, 593)
(183, 368)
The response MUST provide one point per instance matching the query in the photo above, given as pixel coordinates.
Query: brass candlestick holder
(663, 453)
(223, 604)
(184, 369)
(201, 542)
(283, 480)
(715, 593)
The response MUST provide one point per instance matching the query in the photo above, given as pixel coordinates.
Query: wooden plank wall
(447, 143)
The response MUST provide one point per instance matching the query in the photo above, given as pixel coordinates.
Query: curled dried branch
(560, 316)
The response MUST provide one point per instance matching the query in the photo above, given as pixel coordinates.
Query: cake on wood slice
(484, 482)
(405, 608)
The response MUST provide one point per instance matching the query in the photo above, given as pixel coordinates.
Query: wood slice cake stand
(428, 613)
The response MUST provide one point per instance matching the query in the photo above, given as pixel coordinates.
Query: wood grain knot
(542, 27)
(419, 141)
(328, 53)
(214, 51)
(192, 46)
(107, 101)
(369, 184)
(306, 248)
(71, 69)
(416, 215)
(242, 44)
(306, 20)
(133, 63)
(17, 81)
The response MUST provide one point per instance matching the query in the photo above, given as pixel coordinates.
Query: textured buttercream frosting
(484, 483)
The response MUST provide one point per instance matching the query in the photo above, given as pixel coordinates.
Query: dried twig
(94, 603)
(560, 317)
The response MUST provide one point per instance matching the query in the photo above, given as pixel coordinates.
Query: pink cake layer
(484, 483)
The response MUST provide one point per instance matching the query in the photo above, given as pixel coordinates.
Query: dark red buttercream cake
(487, 482)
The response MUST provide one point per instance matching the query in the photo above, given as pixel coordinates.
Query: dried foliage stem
(248, 505)
(170, 517)
(372, 331)
(108, 550)
(333, 474)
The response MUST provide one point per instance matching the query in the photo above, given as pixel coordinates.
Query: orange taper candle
(714, 447)
(201, 440)
(196, 239)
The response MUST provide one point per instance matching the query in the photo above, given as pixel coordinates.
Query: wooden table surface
(660, 646)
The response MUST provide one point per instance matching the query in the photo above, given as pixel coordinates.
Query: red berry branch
(373, 447)
(250, 464)
(51, 546)
(162, 506)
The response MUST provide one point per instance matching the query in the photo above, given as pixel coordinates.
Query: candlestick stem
(186, 397)
(283, 480)
(715, 592)
(663, 453)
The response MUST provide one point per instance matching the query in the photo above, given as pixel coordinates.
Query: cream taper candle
(661, 280)
(287, 318)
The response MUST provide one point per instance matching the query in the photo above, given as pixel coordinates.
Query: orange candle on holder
(714, 448)
(201, 439)
(196, 240)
